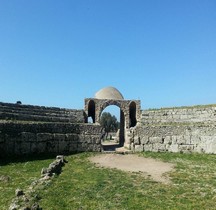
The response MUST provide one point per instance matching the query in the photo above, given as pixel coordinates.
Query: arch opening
(114, 138)
(132, 114)
(91, 111)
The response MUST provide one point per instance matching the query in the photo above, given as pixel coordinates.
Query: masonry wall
(27, 130)
(9, 111)
(46, 138)
(191, 129)
(179, 115)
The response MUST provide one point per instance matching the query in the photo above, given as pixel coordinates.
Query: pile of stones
(28, 200)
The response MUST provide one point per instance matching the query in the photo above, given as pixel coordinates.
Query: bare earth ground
(155, 169)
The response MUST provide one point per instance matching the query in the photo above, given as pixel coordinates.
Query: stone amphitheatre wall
(26, 130)
(189, 129)
(9, 111)
(180, 115)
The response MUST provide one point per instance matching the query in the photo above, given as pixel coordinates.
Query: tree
(109, 123)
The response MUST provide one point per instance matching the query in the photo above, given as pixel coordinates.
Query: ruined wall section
(179, 115)
(27, 130)
(19, 112)
(47, 138)
(186, 139)
(191, 129)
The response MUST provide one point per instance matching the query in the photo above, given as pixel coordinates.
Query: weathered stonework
(179, 115)
(124, 105)
(129, 113)
(176, 130)
(26, 129)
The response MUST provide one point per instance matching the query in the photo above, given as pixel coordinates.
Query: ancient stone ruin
(27, 130)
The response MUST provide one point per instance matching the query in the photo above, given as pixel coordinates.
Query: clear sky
(56, 53)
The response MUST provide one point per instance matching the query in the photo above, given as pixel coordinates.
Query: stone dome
(109, 93)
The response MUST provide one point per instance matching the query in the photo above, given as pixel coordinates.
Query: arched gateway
(129, 110)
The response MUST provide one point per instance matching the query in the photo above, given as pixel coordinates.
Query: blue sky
(56, 53)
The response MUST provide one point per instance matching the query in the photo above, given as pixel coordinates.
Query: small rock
(43, 171)
(19, 192)
(13, 206)
(4, 178)
(35, 206)
(26, 208)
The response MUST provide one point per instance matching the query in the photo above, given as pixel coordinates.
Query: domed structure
(109, 93)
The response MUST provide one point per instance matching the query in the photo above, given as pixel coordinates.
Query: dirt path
(133, 163)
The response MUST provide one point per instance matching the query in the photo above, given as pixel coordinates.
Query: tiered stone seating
(18, 112)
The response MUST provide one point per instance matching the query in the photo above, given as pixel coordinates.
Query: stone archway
(129, 109)
(121, 133)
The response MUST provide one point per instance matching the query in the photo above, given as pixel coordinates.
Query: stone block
(138, 148)
(158, 147)
(81, 138)
(43, 137)
(174, 140)
(9, 146)
(52, 146)
(200, 148)
(180, 140)
(17, 148)
(25, 148)
(211, 145)
(82, 147)
(27, 136)
(174, 148)
(136, 140)
(72, 137)
(195, 139)
(73, 147)
(34, 148)
(59, 137)
(167, 140)
(154, 140)
(89, 139)
(97, 139)
(2, 150)
(41, 146)
(187, 139)
(147, 147)
(186, 148)
(97, 148)
(144, 140)
(2, 138)
(63, 146)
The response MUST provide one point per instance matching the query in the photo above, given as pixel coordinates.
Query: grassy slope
(83, 186)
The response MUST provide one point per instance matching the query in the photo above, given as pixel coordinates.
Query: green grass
(18, 173)
(84, 186)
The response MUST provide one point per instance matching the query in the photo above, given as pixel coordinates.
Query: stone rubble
(25, 200)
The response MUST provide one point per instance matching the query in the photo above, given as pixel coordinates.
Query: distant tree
(109, 123)
(19, 102)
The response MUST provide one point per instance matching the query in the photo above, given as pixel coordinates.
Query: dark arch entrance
(132, 114)
(91, 110)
